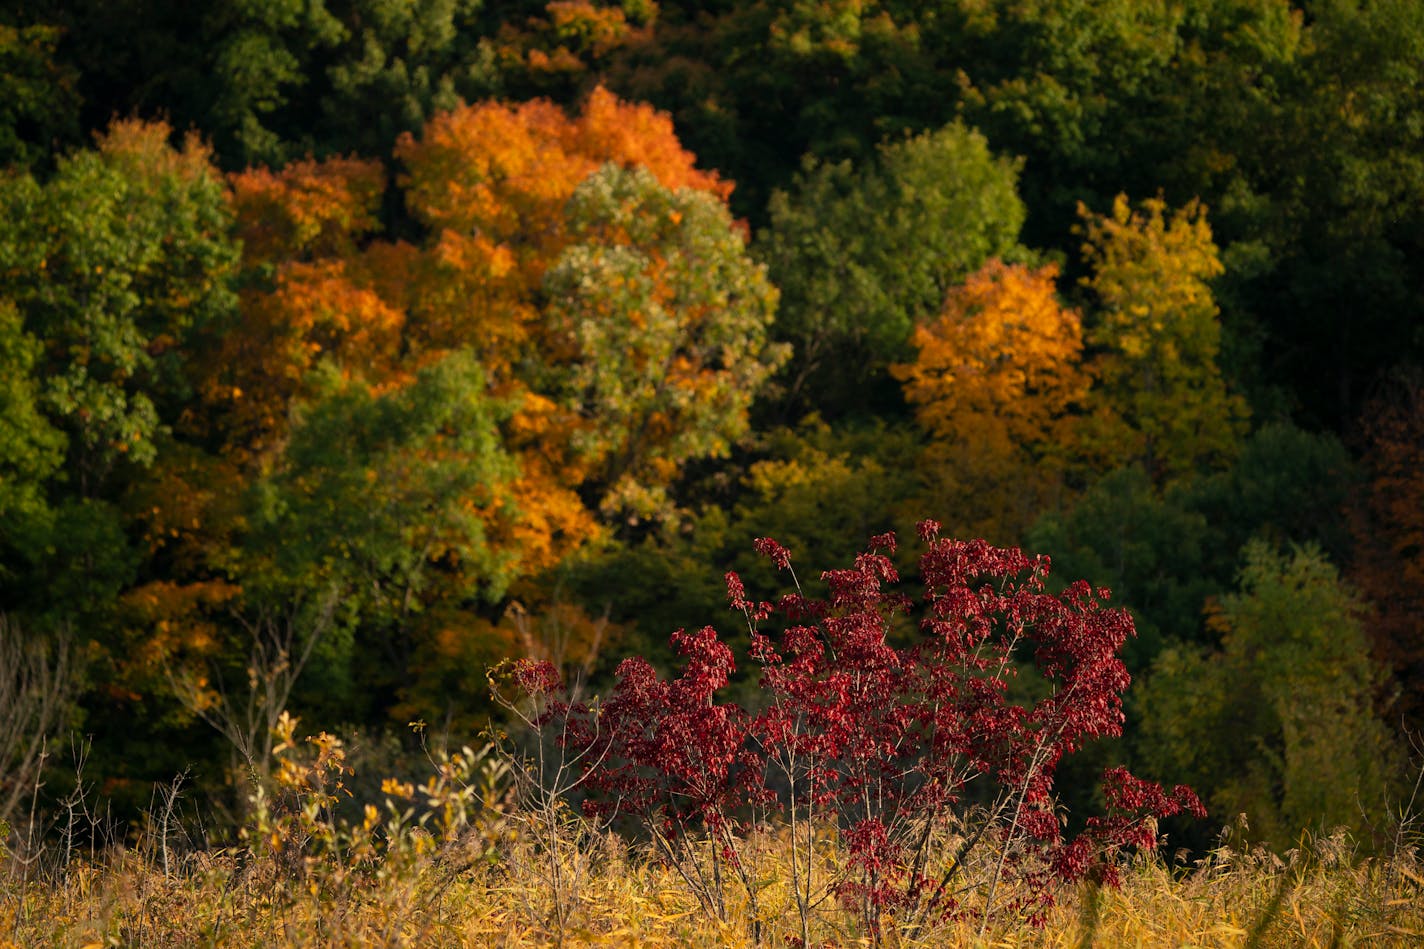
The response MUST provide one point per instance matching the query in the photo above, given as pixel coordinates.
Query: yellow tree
(998, 378)
(1160, 399)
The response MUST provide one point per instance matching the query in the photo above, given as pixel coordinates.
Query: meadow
(478, 871)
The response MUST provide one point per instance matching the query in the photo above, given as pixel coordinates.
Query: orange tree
(998, 378)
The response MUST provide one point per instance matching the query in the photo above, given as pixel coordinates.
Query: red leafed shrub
(941, 786)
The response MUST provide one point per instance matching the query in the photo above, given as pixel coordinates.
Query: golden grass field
(432, 895)
(465, 860)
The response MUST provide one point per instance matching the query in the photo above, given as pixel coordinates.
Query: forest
(352, 349)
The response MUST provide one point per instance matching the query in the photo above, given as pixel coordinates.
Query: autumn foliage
(422, 338)
(1002, 363)
(1388, 522)
(910, 742)
(998, 384)
(579, 285)
(1161, 400)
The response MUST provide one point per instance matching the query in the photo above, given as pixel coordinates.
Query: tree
(1387, 524)
(1167, 553)
(392, 500)
(758, 86)
(863, 253)
(996, 382)
(619, 307)
(113, 263)
(1287, 486)
(491, 182)
(1153, 549)
(31, 449)
(1333, 173)
(658, 321)
(560, 52)
(813, 486)
(1160, 399)
(39, 109)
(271, 82)
(1278, 723)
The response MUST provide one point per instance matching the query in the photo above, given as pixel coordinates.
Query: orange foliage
(506, 171)
(637, 134)
(1003, 362)
(466, 291)
(997, 383)
(307, 209)
(552, 519)
(171, 625)
(315, 310)
(310, 294)
(492, 183)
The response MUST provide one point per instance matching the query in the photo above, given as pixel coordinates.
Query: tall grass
(458, 860)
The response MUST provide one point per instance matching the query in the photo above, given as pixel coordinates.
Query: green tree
(1166, 553)
(273, 81)
(31, 449)
(861, 254)
(1287, 486)
(664, 318)
(1150, 550)
(814, 488)
(113, 263)
(757, 86)
(39, 107)
(1277, 723)
(393, 501)
(1334, 190)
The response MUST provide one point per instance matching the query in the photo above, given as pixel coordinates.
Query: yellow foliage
(409, 884)
(1160, 398)
(143, 147)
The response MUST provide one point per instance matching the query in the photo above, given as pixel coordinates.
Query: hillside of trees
(348, 347)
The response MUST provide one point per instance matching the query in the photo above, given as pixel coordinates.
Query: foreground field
(607, 893)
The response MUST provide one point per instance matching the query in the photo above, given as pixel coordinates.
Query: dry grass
(463, 894)
(458, 861)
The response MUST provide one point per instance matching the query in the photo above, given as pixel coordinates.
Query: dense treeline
(347, 347)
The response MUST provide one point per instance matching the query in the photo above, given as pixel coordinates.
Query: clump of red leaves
(943, 786)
